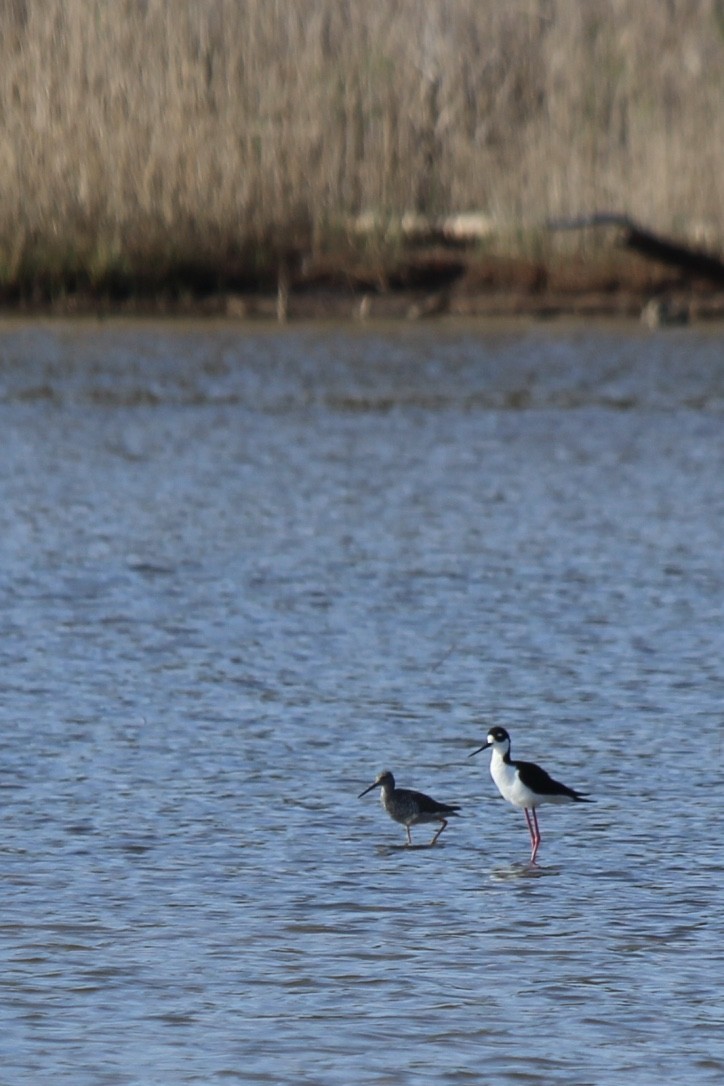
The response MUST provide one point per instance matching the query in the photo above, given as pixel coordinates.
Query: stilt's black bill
(485, 747)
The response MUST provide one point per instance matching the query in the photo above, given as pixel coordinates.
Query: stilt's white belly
(511, 787)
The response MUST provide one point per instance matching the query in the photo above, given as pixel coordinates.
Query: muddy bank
(422, 285)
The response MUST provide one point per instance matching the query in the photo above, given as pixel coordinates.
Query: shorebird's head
(498, 739)
(382, 780)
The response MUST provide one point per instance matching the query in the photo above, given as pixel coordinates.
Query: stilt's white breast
(509, 784)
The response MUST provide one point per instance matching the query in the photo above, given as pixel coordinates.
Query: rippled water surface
(243, 571)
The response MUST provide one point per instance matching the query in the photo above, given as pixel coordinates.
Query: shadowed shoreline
(424, 286)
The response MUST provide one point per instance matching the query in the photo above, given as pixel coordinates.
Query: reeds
(141, 136)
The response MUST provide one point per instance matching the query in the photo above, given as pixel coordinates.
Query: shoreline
(425, 282)
(673, 308)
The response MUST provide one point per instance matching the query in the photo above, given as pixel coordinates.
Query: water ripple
(243, 572)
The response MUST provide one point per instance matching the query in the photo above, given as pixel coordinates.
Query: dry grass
(140, 137)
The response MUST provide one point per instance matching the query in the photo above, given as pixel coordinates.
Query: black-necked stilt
(525, 784)
(409, 807)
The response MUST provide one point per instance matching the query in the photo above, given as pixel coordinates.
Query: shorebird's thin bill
(373, 785)
(484, 747)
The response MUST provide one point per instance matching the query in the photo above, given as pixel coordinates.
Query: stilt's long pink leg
(530, 825)
(536, 838)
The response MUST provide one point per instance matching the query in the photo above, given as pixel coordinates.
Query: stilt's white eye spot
(498, 735)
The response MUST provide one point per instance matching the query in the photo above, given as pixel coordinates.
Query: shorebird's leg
(409, 835)
(536, 838)
(442, 827)
(533, 831)
(528, 819)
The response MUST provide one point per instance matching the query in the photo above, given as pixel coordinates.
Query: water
(241, 572)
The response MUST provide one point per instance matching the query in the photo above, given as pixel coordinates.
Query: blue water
(242, 571)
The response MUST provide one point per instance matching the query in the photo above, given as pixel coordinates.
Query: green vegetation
(148, 144)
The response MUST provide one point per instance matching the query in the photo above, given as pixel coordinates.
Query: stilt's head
(498, 739)
(382, 780)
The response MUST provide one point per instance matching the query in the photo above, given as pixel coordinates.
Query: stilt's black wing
(535, 778)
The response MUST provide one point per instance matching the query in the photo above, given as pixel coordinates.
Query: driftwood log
(691, 261)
